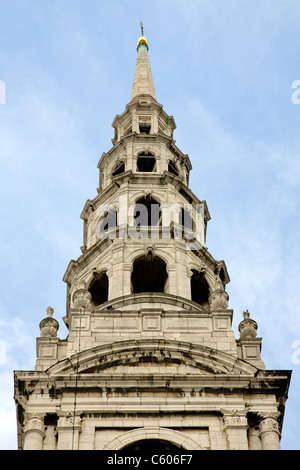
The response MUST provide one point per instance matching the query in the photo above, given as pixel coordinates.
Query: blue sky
(224, 70)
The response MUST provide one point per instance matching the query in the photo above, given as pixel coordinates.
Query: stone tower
(150, 360)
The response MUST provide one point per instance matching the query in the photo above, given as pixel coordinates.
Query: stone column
(236, 425)
(269, 432)
(111, 281)
(173, 286)
(135, 126)
(154, 122)
(254, 438)
(127, 270)
(34, 433)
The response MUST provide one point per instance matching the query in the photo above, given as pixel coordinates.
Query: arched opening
(149, 274)
(151, 444)
(145, 128)
(146, 162)
(118, 169)
(165, 436)
(99, 288)
(147, 212)
(199, 289)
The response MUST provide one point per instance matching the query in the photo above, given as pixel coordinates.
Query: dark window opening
(199, 289)
(146, 163)
(50, 419)
(222, 275)
(147, 212)
(151, 444)
(172, 168)
(148, 275)
(185, 219)
(120, 168)
(99, 288)
(145, 129)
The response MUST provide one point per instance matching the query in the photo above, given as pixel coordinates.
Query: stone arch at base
(163, 434)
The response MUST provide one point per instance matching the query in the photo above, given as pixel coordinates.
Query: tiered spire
(143, 81)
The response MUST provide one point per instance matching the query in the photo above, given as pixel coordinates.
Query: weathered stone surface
(150, 352)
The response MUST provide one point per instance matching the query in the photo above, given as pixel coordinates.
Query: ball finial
(142, 40)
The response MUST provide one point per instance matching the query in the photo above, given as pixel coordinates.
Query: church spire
(143, 81)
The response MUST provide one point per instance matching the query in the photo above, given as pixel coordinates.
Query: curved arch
(146, 162)
(133, 352)
(98, 288)
(194, 265)
(200, 290)
(103, 268)
(118, 168)
(140, 194)
(146, 151)
(166, 299)
(149, 274)
(151, 445)
(165, 434)
(147, 211)
(157, 252)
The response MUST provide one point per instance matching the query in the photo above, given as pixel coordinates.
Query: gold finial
(142, 39)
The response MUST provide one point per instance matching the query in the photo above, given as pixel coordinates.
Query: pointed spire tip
(142, 39)
(143, 81)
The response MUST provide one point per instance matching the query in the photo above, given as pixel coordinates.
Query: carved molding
(269, 423)
(235, 418)
(201, 357)
(69, 421)
(35, 423)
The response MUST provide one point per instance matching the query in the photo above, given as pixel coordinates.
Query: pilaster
(68, 427)
(236, 425)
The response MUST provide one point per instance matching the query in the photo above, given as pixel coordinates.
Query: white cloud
(250, 186)
(18, 352)
(2, 352)
(16, 335)
(8, 428)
